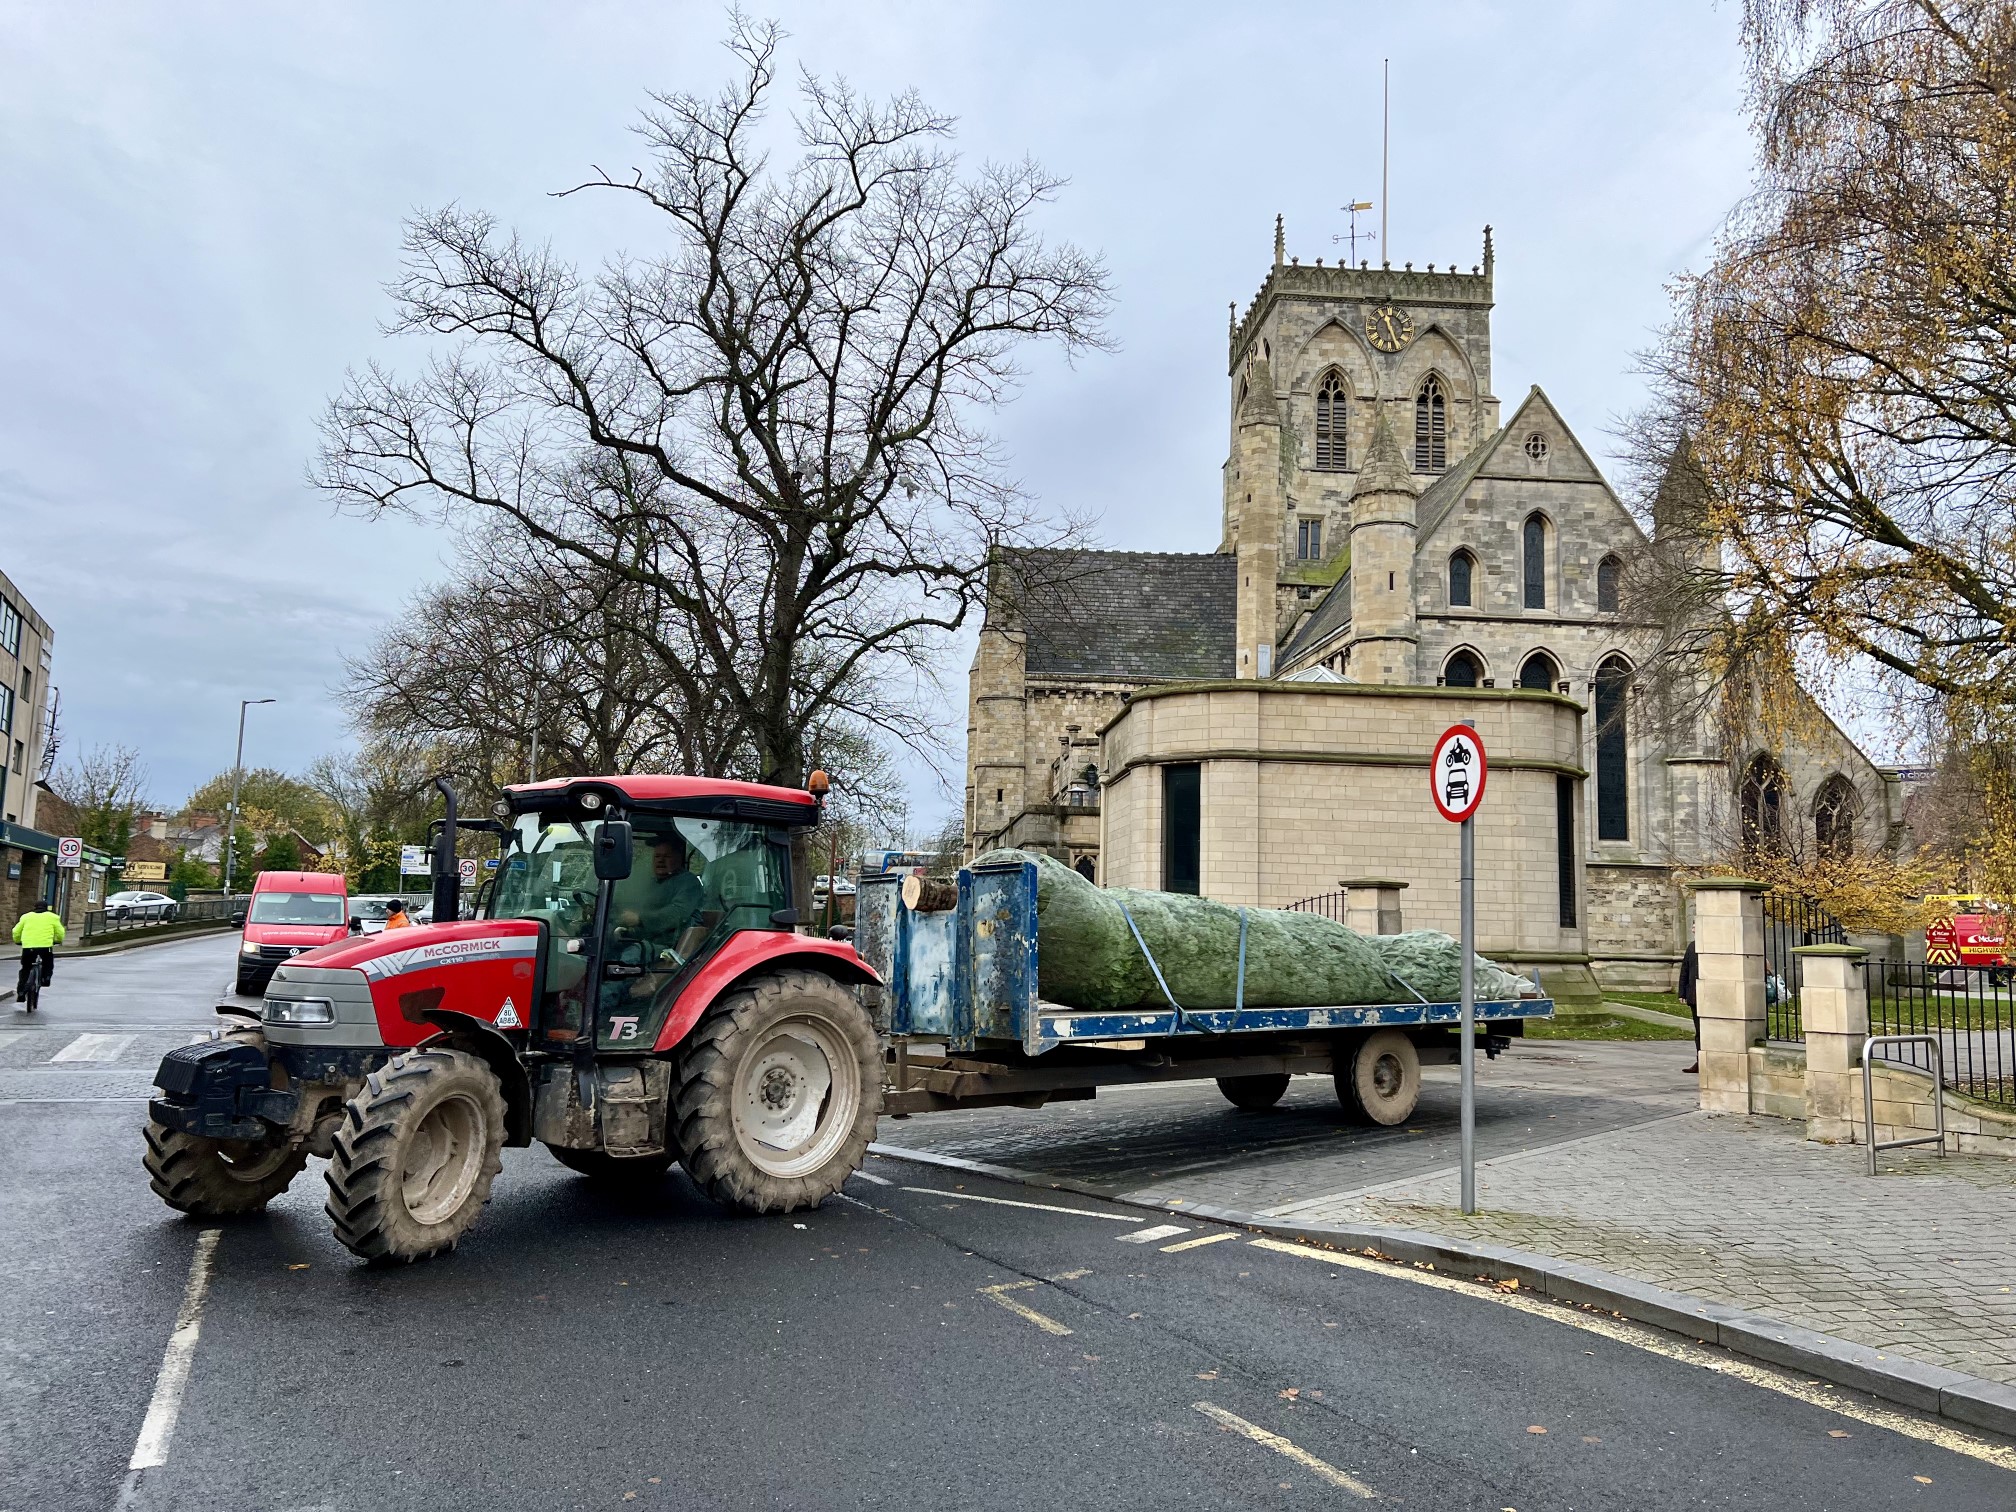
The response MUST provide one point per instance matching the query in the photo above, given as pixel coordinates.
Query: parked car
(370, 909)
(288, 913)
(141, 905)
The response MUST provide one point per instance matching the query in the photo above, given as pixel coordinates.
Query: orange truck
(1966, 931)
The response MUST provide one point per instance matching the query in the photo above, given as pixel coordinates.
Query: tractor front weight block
(219, 1089)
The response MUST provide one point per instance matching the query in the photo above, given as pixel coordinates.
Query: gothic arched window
(1761, 801)
(1834, 815)
(1613, 765)
(1533, 550)
(1462, 580)
(1538, 672)
(1333, 407)
(1608, 573)
(1462, 671)
(1431, 427)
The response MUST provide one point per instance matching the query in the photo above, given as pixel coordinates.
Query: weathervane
(1354, 235)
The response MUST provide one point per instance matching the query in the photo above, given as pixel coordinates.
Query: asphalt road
(911, 1345)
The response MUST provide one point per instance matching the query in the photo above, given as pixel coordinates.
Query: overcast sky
(203, 202)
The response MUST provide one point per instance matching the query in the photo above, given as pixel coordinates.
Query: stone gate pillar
(1729, 986)
(1834, 1011)
(1372, 905)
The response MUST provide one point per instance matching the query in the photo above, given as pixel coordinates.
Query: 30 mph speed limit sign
(467, 870)
(70, 851)
(1456, 773)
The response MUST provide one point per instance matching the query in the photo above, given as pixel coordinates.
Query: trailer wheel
(415, 1154)
(614, 1170)
(1383, 1081)
(777, 1093)
(1255, 1094)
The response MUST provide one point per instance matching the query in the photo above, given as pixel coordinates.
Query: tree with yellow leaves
(1842, 379)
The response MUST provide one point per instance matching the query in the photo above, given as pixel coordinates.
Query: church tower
(1324, 362)
(1385, 635)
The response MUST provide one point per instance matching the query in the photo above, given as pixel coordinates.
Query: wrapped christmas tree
(1088, 955)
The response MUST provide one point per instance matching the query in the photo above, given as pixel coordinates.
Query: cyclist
(38, 932)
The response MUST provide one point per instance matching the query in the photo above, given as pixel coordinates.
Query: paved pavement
(1590, 1152)
(931, 1340)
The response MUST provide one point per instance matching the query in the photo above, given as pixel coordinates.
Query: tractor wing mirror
(612, 850)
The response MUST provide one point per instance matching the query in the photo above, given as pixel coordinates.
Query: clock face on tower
(1388, 329)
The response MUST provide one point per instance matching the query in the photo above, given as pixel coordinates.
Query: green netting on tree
(1087, 957)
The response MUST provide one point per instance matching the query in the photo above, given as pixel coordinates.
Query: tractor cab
(635, 884)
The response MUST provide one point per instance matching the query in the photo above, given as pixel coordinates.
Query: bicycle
(28, 985)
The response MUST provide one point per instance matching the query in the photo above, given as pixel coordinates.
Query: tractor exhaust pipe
(447, 866)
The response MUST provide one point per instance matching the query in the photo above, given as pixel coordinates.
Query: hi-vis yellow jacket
(38, 931)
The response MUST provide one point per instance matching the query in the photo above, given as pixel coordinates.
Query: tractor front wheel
(614, 1170)
(777, 1093)
(218, 1178)
(415, 1155)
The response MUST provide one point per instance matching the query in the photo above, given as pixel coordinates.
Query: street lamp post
(237, 778)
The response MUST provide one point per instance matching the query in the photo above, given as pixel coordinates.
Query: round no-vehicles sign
(1456, 773)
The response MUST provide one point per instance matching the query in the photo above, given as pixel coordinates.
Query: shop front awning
(21, 837)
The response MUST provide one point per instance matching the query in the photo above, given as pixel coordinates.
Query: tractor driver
(657, 905)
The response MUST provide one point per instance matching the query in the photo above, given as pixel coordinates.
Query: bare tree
(534, 650)
(779, 415)
(107, 789)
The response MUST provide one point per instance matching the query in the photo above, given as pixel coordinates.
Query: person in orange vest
(395, 916)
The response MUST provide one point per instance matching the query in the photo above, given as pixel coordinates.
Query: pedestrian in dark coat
(1690, 991)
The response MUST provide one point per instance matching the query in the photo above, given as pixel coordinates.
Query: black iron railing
(1790, 922)
(1972, 1009)
(119, 921)
(1330, 905)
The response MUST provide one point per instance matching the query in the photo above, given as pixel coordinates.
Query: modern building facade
(27, 650)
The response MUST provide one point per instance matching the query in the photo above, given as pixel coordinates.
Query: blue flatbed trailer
(964, 1026)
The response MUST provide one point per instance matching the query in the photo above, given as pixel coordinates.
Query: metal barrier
(99, 923)
(1330, 905)
(1869, 1095)
(1971, 1010)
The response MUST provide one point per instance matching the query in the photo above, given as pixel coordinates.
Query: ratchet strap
(1182, 1016)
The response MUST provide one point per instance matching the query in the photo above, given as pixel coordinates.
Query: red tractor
(635, 994)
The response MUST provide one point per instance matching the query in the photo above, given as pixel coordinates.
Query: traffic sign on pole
(467, 868)
(70, 851)
(1456, 771)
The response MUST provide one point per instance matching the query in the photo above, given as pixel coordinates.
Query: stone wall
(1636, 930)
(1305, 784)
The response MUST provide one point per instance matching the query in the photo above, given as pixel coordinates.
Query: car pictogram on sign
(1456, 773)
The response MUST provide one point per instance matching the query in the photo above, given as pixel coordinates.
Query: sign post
(1456, 773)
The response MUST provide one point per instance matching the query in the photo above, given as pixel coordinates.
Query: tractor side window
(548, 874)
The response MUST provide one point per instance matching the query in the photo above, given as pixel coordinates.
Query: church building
(1253, 723)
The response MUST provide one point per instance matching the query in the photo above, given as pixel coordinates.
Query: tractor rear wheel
(1383, 1081)
(777, 1093)
(415, 1155)
(1254, 1094)
(614, 1170)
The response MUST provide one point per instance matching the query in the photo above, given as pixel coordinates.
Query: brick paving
(1592, 1153)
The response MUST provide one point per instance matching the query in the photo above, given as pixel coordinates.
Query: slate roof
(1442, 495)
(1330, 616)
(1138, 616)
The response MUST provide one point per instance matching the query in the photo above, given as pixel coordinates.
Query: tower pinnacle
(1280, 243)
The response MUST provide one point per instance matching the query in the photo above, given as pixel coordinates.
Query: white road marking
(877, 1180)
(1041, 1207)
(1281, 1446)
(158, 1427)
(1655, 1341)
(1190, 1244)
(1000, 1294)
(93, 1047)
(1150, 1235)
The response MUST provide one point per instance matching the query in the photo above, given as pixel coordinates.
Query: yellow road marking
(1021, 1310)
(1283, 1447)
(1655, 1341)
(1188, 1244)
(1041, 1207)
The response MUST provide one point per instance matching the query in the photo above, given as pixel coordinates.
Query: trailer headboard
(965, 973)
